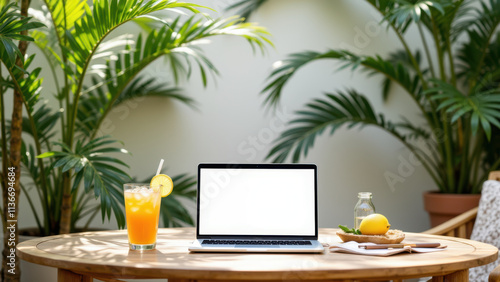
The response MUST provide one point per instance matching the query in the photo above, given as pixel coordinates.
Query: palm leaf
(11, 26)
(142, 87)
(174, 212)
(481, 108)
(383, 6)
(400, 57)
(98, 172)
(27, 83)
(95, 103)
(407, 11)
(460, 12)
(246, 7)
(481, 31)
(91, 108)
(178, 43)
(46, 39)
(375, 65)
(450, 22)
(489, 76)
(64, 15)
(332, 112)
(414, 132)
(91, 29)
(489, 73)
(44, 125)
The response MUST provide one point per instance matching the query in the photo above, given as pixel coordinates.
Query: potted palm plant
(68, 160)
(453, 80)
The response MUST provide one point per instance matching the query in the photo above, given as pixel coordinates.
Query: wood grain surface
(106, 254)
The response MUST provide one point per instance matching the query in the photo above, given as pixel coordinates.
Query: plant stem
(448, 150)
(460, 135)
(66, 207)
(464, 179)
(435, 34)
(442, 149)
(449, 153)
(476, 157)
(453, 76)
(426, 48)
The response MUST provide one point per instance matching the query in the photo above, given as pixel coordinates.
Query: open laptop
(257, 208)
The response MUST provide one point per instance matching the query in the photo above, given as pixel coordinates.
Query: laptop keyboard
(256, 242)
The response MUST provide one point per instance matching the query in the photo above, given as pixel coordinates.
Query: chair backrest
(494, 175)
(487, 226)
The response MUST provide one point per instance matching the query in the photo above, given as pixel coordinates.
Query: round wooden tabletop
(106, 254)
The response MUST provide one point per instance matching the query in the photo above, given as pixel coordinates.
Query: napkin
(353, 248)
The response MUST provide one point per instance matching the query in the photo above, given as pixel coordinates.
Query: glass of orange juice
(142, 211)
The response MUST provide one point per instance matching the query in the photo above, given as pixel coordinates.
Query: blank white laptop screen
(257, 202)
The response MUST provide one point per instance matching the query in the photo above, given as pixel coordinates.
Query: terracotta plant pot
(442, 207)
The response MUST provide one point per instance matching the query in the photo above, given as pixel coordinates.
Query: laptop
(257, 208)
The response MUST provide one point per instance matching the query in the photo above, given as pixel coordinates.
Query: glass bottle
(363, 208)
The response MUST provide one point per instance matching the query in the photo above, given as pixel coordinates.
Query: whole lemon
(374, 224)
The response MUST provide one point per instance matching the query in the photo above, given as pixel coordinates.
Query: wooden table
(105, 255)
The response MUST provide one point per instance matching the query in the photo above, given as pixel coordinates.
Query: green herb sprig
(350, 230)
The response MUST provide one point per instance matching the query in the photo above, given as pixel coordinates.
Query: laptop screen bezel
(257, 166)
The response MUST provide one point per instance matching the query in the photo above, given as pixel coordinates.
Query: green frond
(414, 132)
(97, 100)
(27, 83)
(332, 112)
(454, 21)
(245, 8)
(64, 15)
(397, 73)
(383, 6)
(11, 26)
(481, 32)
(100, 173)
(406, 11)
(481, 109)
(177, 42)
(173, 212)
(93, 27)
(46, 41)
(400, 57)
(141, 87)
(285, 69)
(29, 160)
(46, 119)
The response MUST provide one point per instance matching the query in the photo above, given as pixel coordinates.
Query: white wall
(230, 112)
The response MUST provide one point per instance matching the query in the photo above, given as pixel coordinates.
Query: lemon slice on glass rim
(164, 182)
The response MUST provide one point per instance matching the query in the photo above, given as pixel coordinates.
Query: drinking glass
(142, 211)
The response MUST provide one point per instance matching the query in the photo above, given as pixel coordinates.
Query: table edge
(27, 251)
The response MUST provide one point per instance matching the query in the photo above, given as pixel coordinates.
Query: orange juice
(142, 210)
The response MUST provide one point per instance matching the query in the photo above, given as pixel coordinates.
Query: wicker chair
(462, 225)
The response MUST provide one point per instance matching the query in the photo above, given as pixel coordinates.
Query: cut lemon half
(164, 182)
